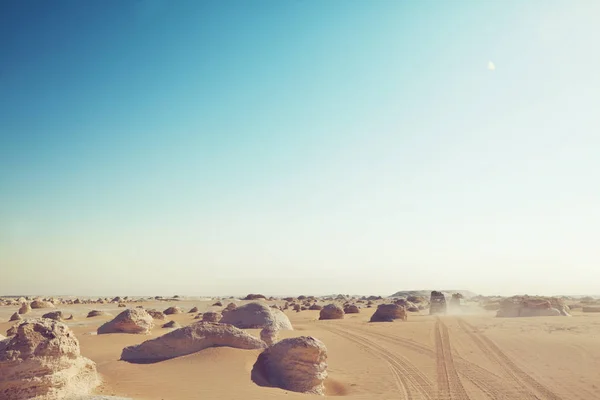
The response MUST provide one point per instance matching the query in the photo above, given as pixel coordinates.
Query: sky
(299, 147)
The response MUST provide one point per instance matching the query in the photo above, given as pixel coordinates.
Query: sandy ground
(469, 356)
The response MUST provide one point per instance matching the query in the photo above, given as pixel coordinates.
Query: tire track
(495, 354)
(414, 384)
(492, 385)
(449, 384)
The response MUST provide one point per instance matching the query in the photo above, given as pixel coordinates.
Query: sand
(470, 356)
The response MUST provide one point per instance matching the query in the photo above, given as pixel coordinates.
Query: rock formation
(42, 360)
(193, 310)
(269, 335)
(171, 324)
(15, 317)
(188, 340)
(532, 306)
(97, 313)
(254, 297)
(156, 314)
(298, 364)
(55, 315)
(211, 317)
(230, 306)
(218, 304)
(388, 313)
(258, 316)
(133, 320)
(41, 304)
(437, 303)
(25, 308)
(351, 309)
(173, 310)
(331, 311)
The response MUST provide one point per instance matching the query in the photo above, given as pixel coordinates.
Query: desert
(257, 351)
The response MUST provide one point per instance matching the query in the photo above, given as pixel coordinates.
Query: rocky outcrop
(331, 311)
(269, 335)
(211, 317)
(437, 303)
(351, 309)
(298, 364)
(25, 308)
(156, 314)
(41, 304)
(193, 310)
(258, 316)
(15, 317)
(42, 360)
(230, 306)
(172, 324)
(97, 313)
(218, 304)
(55, 315)
(173, 310)
(188, 340)
(133, 320)
(254, 297)
(532, 306)
(389, 313)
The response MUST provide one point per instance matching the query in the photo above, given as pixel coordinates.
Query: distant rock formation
(218, 304)
(42, 360)
(532, 306)
(254, 297)
(173, 310)
(331, 311)
(156, 314)
(388, 313)
(437, 303)
(15, 317)
(97, 313)
(230, 306)
(171, 324)
(269, 335)
(298, 364)
(132, 320)
(41, 304)
(193, 310)
(25, 308)
(257, 316)
(188, 340)
(315, 307)
(211, 316)
(55, 315)
(351, 309)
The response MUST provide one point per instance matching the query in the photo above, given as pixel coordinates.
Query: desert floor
(468, 356)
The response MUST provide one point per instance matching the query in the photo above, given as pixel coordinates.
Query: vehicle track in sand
(492, 385)
(412, 383)
(530, 388)
(448, 381)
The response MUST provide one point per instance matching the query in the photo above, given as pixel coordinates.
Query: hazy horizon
(155, 147)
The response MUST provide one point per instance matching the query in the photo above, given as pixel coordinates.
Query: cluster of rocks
(532, 306)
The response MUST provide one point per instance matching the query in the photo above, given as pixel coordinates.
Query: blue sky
(299, 146)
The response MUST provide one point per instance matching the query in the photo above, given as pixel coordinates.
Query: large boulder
(211, 316)
(388, 313)
(298, 364)
(193, 310)
(172, 324)
(269, 335)
(97, 313)
(252, 296)
(532, 306)
(257, 316)
(42, 360)
(41, 304)
(15, 317)
(351, 309)
(156, 314)
(132, 320)
(230, 306)
(188, 340)
(331, 311)
(25, 308)
(55, 315)
(173, 310)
